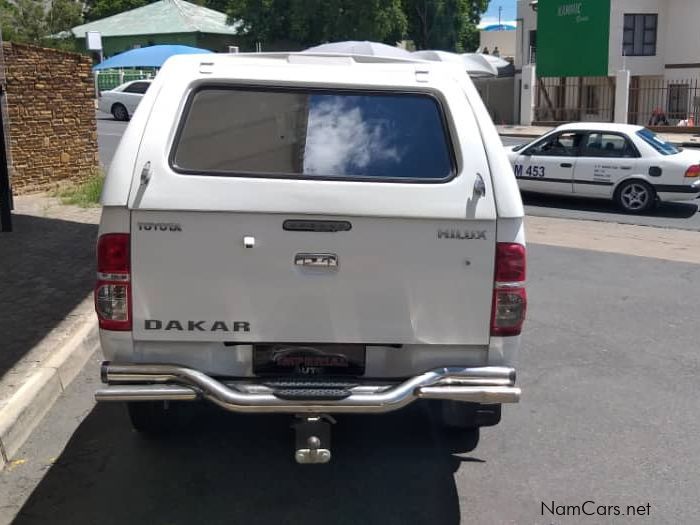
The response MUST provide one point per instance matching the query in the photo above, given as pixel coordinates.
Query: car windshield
(656, 142)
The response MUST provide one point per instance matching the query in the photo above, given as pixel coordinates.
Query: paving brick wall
(50, 102)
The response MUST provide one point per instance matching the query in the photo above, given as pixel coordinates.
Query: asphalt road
(609, 414)
(109, 133)
(682, 215)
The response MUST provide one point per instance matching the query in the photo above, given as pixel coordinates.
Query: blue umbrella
(152, 56)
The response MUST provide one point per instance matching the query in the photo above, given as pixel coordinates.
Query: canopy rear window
(313, 134)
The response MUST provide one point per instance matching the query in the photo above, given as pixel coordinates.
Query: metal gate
(662, 102)
(567, 99)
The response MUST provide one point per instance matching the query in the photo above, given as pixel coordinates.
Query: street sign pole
(5, 190)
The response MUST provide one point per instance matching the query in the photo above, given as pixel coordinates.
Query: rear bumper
(678, 192)
(161, 382)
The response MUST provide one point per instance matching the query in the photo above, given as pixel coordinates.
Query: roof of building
(505, 26)
(165, 16)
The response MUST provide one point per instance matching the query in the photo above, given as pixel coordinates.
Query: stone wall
(51, 108)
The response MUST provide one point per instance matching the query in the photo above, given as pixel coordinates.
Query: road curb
(40, 385)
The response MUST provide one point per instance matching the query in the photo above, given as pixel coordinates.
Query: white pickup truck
(311, 235)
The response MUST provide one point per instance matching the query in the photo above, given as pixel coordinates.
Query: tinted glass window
(607, 145)
(639, 35)
(137, 87)
(559, 145)
(657, 143)
(313, 134)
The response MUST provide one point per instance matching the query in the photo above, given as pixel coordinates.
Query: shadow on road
(395, 468)
(669, 210)
(46, 269)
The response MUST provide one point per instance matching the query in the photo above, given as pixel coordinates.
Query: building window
(639, 38)
(532, 49)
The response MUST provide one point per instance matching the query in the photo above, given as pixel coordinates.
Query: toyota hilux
(310, 235)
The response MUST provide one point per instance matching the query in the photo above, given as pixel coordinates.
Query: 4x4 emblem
(317, 260)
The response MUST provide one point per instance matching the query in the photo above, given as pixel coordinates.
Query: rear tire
(119, 112)
(468, 416)
(635, 196)
(156, 418)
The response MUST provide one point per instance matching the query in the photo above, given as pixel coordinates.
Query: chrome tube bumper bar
(161, 382)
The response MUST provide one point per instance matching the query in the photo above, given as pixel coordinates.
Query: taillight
(113, 288)
(693, 171)
(509, 295)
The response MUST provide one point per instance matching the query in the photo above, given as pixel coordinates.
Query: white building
(656, 41)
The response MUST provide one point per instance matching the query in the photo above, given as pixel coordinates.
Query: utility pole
(500, 9)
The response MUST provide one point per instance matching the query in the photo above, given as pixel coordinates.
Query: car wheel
(119, 112)
(468, 416)
(635, 196)
(154, 418)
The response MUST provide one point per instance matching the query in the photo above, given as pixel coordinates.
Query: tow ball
(313, 439)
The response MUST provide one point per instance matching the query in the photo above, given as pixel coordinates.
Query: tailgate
(375, 280)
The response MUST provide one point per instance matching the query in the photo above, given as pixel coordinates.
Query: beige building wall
(682, 44)
(526, 21)
(638, 66)
(504, 40)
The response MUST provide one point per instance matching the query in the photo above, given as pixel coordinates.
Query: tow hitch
(313, 438)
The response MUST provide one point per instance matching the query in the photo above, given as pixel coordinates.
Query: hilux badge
(462, 234)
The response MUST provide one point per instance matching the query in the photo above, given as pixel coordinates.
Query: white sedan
(122, 101)
(626, 163)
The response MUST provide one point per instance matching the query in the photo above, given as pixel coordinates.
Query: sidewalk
(46, 271)
(46, 313)
(686, 140)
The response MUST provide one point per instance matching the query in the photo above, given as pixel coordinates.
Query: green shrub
(86, 194)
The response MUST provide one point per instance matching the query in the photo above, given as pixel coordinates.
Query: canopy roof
(360, 47)
(505, 26)
(165, 16)
(152, 56)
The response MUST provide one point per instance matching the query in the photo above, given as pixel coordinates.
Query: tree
(302, 23)
(63, 15)
(450, 25)
(97, 9)
(39, 23)
(26, 20)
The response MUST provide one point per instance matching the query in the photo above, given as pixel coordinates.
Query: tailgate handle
(316, 260)
(316, 226)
